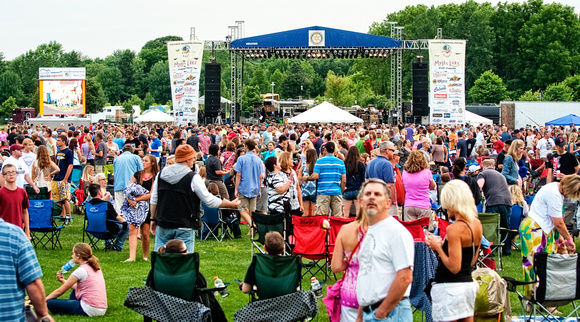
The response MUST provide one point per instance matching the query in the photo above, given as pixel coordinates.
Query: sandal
(128, 260)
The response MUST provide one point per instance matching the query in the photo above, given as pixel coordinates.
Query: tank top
(443, 275)
(348, 289)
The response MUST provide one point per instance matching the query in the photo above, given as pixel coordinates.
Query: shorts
(311, 198)
(326, 203)
(262, 202)
(350, 195)
(453, 301)
(248, 204)
(60, 190)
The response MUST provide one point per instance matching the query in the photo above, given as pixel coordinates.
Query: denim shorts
(401, 313)
(350, 195)
(311, 198)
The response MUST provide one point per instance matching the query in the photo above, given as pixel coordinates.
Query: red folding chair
(311, 242)
(336, 224)
(415, 227)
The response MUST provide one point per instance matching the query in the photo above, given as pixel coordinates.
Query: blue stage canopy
(316, 37)
(565, 120)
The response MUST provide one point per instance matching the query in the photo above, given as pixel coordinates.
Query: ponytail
(85, 252)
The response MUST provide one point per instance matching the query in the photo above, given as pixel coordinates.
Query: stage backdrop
(184, 71)
(61, 91)
(447, 81)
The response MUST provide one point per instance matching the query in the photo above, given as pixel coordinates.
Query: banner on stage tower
(447, 81)
(184, 71)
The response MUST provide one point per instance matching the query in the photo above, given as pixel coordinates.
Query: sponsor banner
(185, 59)
(61, 97)
(73, 73)
(447, 74)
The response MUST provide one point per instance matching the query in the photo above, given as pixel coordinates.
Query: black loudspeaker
(212, 89)
(420, 89)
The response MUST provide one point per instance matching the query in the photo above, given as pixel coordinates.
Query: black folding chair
(264, 224)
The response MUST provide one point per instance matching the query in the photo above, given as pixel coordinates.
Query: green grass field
(228, 260)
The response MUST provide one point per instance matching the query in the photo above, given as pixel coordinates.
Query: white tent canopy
(475, 119)
(154, 116)
(325, 113)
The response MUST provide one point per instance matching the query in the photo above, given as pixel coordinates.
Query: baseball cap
(474, 167)
(15, 147)
(559, 141)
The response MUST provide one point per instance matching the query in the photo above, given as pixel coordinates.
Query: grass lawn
(228, 260)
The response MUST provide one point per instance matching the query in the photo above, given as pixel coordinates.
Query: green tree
(11, 86)
(158, 80)
(530, 96)
(7, 107)
(338, 89)
(125, 66)
(260, 80)
(549, 46)
(139, 77)
(3, 63)
(574, 83)
(250, 96)
(148, 101)
(277, 77)
(71, 59)
(296, 82)
(127, 108)
(110, 80)
(488, 88)
(558, 92)
(95, 96)
(156, 50)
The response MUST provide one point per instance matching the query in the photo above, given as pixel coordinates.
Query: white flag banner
(447, 81)
(184, 71)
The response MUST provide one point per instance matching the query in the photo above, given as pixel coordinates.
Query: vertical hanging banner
(447, 78)
(184, 71)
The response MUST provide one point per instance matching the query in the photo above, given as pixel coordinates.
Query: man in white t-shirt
(545, 146)
(386, 259)
(28, 155)
(22, 172)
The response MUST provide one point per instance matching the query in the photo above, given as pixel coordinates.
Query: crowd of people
(377, 173)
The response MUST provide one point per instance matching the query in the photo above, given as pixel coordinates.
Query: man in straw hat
(176, 198)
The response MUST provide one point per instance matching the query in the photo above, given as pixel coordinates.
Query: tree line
(515, 51)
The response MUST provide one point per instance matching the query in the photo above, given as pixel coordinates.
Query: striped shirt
(18, 268)
(330, 170)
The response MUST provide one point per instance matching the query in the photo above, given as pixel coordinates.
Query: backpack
(492, 297)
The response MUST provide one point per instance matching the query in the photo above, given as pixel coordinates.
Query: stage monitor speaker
(212, 89)
(420, 89)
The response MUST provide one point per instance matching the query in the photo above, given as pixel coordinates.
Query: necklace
(147, 176)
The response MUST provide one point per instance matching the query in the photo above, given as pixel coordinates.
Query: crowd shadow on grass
(229, 260)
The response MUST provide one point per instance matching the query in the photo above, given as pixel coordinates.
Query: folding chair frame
(255, 240)
(93, 237)
(216, 231)
(495, 246)
(50, 234)
(319, 262)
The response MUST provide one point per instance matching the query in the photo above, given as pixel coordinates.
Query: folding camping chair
(278, 280)
(311, 242)
(213, 225)
(77, 173)
(417, 227)
(95, 225)
(515, 221)
(558, 281)
(264, 224)
(336, 224)
(175, 291)
(43, 228)
(491, 232)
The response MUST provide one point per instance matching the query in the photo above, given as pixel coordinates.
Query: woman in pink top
(347, 240)
(418, 180)
(89, 296)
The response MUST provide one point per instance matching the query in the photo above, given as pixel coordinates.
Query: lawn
(228, 260)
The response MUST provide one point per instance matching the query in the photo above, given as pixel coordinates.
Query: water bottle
(67, 267)
(217, 282)
(315, 287)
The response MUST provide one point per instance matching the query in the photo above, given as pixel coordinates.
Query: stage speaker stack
(212, 89)
(420, 89)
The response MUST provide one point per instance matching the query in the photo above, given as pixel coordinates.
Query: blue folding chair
(213, 225)
(515, 221)
(77, 173)
(43, 228)
(95, 227)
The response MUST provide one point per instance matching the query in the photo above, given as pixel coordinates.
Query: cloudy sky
(97, 28)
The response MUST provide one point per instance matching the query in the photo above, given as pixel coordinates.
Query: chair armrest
(512, 283)
(213, 289)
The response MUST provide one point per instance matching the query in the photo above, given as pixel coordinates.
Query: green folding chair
(491, 231)
(275, 275)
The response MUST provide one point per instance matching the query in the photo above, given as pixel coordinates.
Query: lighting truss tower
(392, 101)
(234, 57)
(399, 71)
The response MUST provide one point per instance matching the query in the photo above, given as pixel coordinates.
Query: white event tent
(154, 116)
(475, 119)
(325, 113)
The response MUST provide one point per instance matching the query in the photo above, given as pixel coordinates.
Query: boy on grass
(14, 201)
